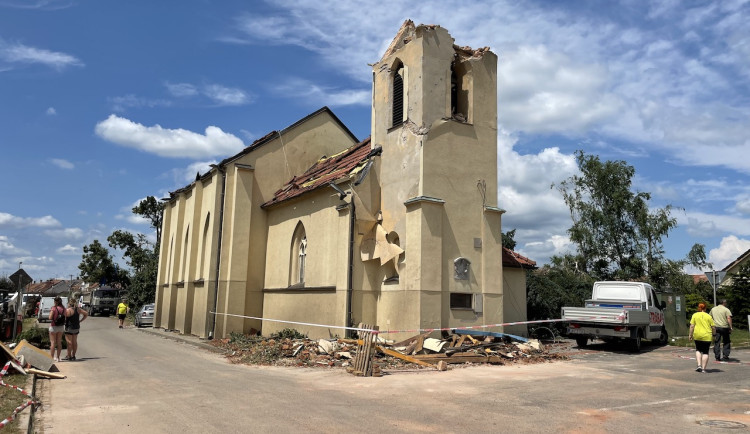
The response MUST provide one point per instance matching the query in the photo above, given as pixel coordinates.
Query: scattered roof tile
(515, 260)
(326, 170)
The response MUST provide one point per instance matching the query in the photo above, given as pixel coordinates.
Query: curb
(190, 340)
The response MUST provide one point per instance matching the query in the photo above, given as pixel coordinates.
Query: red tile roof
(515, 260)
(326, 170)
(697, 278)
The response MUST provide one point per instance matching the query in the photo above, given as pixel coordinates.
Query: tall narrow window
(302, 255)
(204, 248)
(298, 257)
(460, 89)
(398, 95)
(183, 274)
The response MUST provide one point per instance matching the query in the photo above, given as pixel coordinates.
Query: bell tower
(434, 114)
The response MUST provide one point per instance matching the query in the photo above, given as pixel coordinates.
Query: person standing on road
(122, 311)
(722, 317)
(56, 328)
(701, 330)
(73, 326)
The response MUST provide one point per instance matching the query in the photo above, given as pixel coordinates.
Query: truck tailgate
(604, 315)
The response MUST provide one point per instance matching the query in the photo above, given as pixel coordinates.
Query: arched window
(302, 254)
(298, 256)
(398, 95)
(183, 273)
(460, 92)
(204, 248)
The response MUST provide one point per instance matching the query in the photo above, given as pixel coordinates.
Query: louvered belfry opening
(398, 96)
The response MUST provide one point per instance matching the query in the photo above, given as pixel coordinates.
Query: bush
(38, 337)
(288, 334)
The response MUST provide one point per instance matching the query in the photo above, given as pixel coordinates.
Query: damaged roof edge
(260, 142)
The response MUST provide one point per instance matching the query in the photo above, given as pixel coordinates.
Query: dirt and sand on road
(131, 380)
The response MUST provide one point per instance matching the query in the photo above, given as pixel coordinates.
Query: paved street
(131, 380)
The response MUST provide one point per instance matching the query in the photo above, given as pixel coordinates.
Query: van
(46, 306)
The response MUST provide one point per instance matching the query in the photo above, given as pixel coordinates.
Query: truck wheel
(663, 337)
(581, 341)
(635, 344)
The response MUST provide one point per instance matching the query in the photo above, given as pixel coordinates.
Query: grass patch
(11, 398)
(740, 340)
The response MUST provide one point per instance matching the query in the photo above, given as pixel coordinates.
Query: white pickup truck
(618, 311)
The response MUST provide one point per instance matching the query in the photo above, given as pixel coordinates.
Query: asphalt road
(130, 380)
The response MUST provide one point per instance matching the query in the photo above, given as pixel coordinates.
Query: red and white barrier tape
(20, 408)
(394, 331)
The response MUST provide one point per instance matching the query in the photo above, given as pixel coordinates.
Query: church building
(312, 226)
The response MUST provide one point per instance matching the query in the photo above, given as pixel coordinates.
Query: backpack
(59, 318)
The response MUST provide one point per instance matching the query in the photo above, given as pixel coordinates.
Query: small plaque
(461, 268)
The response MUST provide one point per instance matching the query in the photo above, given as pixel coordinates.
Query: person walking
(722, 317)
(73, 322)
(122, 311)
(56, 328)
(701, 330)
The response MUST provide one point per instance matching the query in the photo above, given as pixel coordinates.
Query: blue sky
(103, 103)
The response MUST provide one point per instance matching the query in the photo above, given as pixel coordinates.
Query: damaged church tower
(434, 113)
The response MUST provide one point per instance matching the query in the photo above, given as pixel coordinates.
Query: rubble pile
(417, 352)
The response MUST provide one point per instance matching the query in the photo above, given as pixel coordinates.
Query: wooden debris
(45, 373)
(396, 354)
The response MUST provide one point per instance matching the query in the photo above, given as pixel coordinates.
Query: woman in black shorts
(73, 326)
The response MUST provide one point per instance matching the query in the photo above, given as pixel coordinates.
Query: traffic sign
(20, 278)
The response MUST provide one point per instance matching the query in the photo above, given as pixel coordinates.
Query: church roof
(326, 170)
(515, 260)
(260, 142)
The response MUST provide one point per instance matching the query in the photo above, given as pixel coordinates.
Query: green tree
(508, 239)
(616, 234)
(738, 296)
(143, 259)
(6, 284)
(152, 210)
(98, 266)
(555, 285)
(141, 256)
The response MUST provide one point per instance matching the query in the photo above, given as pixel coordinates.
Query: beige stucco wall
(514, 302)
(250, 180)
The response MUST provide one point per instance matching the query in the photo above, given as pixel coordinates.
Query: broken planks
(363, 366)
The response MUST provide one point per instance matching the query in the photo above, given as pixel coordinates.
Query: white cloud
(8, 249)
(226, 95)
(67, 233)
(11, 221)
(181, 89)
(43, 5)
(730, 249)
(299, 88)
(544, 92)
(68, 250)
(219, 94)
(704, 224)
(175, 143)
(51, 111)
(19, 53)
(62, 163)
(122, 103)
(565, 72)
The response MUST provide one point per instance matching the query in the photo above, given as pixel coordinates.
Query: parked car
(145, 316)
(46, 305)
